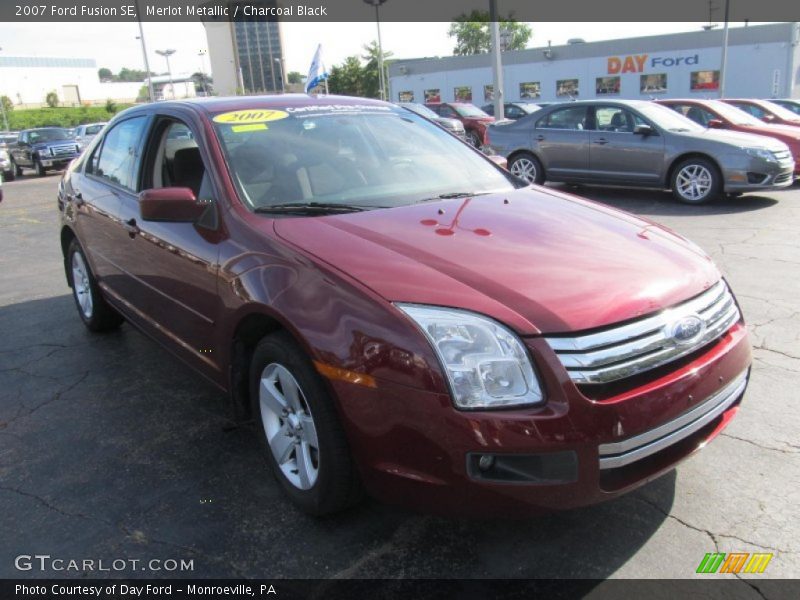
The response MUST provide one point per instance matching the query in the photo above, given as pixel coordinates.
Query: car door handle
(601, 141)
(539, 138)
(131, 227)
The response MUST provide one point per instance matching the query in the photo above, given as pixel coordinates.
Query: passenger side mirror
(643, 130)
(715, 124)
(171, 204)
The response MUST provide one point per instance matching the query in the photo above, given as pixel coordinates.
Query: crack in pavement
(134, 534)
(763, 447)
(30, 410)
(786, 354)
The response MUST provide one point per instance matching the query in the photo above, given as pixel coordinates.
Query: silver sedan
(642, 144)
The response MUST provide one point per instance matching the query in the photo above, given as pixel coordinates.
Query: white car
(85, 133)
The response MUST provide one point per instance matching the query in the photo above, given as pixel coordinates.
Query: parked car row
(43, 148)
(697, 148)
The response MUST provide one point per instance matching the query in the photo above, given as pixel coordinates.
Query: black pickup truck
(42, 149)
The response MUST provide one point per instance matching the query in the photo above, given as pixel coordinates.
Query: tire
(41, 171)
(696, 181)
(11, 174)
(93, 310)
(16, 168)
(527, 167)
(319, 479)
(474, 139)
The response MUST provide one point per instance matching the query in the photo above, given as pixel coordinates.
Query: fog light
(486, 462)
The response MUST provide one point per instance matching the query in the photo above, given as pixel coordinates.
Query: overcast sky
(114, 45)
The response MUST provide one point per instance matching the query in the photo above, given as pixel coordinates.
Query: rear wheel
(11, 174)
(299, 429)
(526, 166)
(93, 310)
(696, 181)
(474, 139)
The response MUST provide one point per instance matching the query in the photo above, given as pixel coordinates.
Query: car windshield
(48, 135)
(420, 109)
(735, 115)
(780, 111)
(469, 110)
(93, 129)
(667, 118)
(352, 156)
(790, 105)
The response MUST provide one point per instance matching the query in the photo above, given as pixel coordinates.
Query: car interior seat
(188, 169)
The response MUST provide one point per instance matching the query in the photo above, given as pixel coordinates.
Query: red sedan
(767, 111)
(394, 312)
(723, 115)
(475, 121)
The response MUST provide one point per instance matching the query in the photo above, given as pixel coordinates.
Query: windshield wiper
(311, 208)
(452, 195)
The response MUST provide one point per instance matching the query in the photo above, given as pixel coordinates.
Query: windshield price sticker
(247, 117)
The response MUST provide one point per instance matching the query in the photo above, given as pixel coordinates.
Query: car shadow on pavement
(111, 448)
(656, 202)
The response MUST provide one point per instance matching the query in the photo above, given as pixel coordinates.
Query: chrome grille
(630, 349)
(782, 155)
(63, 150)
(784, 177)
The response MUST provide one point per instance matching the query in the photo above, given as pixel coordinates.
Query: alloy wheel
(524, 169)
(81, 285)
(694, 182)
(289, 426)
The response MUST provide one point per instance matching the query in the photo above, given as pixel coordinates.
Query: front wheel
(299, 429)
(474, 139)
(696, 181)
(16, 168)
(9, 175)
(41, 171)
(526, 166)
(93, 310)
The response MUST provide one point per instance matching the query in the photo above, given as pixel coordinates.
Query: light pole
(202, 55)
(140, 37)
(166, 54)
(497, 63)
(280, 69)
(723, 63)
(381, 83)
(3, 109)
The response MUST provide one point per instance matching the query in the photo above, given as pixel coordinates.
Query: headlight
(761, 153)
(486, 363)
(3, 155)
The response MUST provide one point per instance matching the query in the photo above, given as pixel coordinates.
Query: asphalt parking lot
(110, 448)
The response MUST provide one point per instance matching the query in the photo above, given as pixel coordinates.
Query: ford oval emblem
(688, 329)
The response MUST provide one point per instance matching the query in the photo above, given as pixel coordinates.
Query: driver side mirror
(171, 204)
(715, 124)
(768, 118)
(643, 130)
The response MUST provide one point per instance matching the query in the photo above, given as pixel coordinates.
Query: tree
(371, 83)
(8, 105)
(347, 78)
(126, 74)
(51, 99)
(202, 83)
(473, 37)
(295, 77)
(105, 74)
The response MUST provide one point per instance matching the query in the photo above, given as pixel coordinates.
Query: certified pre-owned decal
(251, 116)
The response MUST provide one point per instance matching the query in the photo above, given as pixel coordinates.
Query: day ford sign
(637, 63)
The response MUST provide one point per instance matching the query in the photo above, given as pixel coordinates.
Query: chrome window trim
(619, 454)
(626, 350)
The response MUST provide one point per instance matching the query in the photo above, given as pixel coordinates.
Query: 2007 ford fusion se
(396, 312)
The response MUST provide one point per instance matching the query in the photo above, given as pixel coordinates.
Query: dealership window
(653, 84)
(704, 80)
(571, 117)
(433, 95)
(530, 89)
(567, 87)
(488, 93)
(462, 93)
(606, 86)
(405, 97)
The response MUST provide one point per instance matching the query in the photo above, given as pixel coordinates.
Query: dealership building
(763, 61)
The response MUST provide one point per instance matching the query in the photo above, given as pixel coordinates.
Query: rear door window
(572, 117)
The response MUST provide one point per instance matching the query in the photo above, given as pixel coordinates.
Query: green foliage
(8, 105)
(125, 74)
(105, 74)
(295, 77)
(51, 99)
(473, 37)
(143, 95)
(58, 117)
(111, 106)
(352, 78)
(371, 81)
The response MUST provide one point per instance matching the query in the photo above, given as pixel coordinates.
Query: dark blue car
(43, 149)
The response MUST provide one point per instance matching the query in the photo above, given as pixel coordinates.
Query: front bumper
(413, 448)
(761, 176)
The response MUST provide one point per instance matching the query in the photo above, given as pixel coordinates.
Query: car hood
(783, 131)
(736, 138)
(538, 261)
